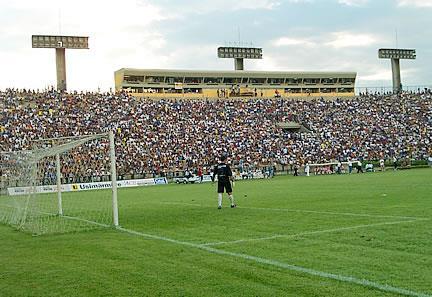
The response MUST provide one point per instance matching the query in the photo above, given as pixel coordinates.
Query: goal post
(113, 179)
(58, 180)
(41, 188)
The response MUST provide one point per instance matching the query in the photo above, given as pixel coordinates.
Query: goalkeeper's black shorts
(224, 185)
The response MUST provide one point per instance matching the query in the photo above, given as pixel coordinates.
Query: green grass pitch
(359, 235)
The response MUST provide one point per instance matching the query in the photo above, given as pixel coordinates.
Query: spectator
(359, 167)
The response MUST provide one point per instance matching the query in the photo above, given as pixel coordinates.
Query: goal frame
(113, 169)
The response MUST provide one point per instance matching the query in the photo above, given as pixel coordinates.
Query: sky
(296, 35)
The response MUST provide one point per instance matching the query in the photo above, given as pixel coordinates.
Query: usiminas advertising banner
(87, 186)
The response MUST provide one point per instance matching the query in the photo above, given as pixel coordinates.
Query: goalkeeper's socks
(231, 198)
(219, 199)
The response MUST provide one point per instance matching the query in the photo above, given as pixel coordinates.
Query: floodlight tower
(239, 54)
(60, 43)
(395, 55)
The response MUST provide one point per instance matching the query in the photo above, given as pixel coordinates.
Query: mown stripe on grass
(308, 233)
(306, 211)
(342, 278)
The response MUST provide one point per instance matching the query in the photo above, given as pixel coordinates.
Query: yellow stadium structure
(214, 84)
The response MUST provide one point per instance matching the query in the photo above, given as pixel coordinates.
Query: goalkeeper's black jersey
(223, 172)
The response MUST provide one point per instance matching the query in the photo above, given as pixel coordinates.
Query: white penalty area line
(282, 265)
(308, 233)
(306, 211)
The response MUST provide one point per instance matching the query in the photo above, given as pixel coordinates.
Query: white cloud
(353, 2)
(343, 39)
(415, 3)
(191, 7)
(287, 41)
(253, 4)
(380, 75)
(205, 7)
(374, 76)
(349, 39)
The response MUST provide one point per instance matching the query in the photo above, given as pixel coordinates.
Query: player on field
(382, 165)
(225, 177)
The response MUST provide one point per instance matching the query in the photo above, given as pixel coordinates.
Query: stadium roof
(240, 73)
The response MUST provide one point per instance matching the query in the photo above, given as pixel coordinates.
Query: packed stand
(166, 136)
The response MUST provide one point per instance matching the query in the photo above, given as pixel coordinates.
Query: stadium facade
(197, 83)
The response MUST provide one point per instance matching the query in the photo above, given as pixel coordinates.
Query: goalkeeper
(225, 177)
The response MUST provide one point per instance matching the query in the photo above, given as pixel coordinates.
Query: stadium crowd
(163, 136)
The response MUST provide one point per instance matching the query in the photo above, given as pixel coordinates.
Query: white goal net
(41, 189)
